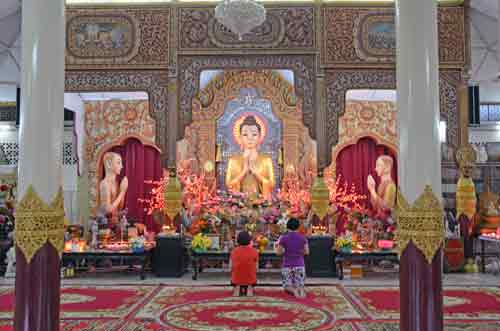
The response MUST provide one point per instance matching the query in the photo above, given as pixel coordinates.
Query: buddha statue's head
(250, 132)
(112, 163)
(383, 165)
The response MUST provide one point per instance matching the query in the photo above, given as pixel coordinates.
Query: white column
(418, 97)
(42, 97)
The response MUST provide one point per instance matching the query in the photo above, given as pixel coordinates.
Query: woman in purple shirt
(293, 246)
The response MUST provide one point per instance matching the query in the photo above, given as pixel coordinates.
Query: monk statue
(112, 194)
(383, 198)
(250, 172)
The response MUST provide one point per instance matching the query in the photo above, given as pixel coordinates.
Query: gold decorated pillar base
(39, 238)
(420, 237)
(38, 223)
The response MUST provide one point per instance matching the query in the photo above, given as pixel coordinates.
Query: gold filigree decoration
(421, 223)
(229, 79)
(320, 197)
(466, 157)
(38, 223)
(172, 195)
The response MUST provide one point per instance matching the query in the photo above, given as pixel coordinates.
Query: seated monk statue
(112, 195)
(383, 198)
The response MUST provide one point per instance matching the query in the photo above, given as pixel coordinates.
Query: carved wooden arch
(331, 170)
(210, 103)
(106, 148)
(190, 68)
(338, 82)
(153, 82)
(118, 142)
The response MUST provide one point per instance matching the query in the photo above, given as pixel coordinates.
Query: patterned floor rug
(326, 308)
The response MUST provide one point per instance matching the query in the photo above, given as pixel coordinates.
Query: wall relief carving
(111, 38)
(284, 28)
(190, 68)
(109, 123)
(338, 82)
(155, 83)
(357, 35)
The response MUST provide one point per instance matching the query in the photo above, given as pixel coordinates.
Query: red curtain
(140, 163)
(355, 162)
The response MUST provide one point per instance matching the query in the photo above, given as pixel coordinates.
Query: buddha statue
(250, 172)
(112, 194)
(383, 198)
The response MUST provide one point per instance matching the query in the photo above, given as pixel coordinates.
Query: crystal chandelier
(240, 16)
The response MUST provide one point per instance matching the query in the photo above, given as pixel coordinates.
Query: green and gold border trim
(38, 223)
(421, 223)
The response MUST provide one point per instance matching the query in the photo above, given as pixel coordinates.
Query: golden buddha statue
(250, 172)
(383, 198)
(112, 195)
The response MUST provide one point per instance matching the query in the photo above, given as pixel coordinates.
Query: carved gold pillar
(463, 109)
(324, 154)
(173, 123)
(291, 137)
(39, 232)
(206, 150)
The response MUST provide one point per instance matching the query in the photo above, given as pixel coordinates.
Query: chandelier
(240, 16)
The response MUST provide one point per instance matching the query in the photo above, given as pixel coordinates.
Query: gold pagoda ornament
(38, 223)
(172, 195)
(320, 197)
(466, 192)
(421, 223)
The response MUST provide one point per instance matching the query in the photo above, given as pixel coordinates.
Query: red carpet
(459, 303)
(326, 308)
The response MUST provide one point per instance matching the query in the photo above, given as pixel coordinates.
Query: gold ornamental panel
(38, 223)
(421, 223)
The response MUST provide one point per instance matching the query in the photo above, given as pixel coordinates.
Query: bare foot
(291, 290)
(236, 291)
(250, 291)
(301, 293)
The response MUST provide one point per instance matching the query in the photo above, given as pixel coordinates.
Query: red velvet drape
(355, 162)
(140, 163)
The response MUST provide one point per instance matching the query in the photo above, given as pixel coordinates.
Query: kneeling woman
(244, 262)
(293, 246)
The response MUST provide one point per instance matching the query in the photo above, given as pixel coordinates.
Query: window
(489, 112)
